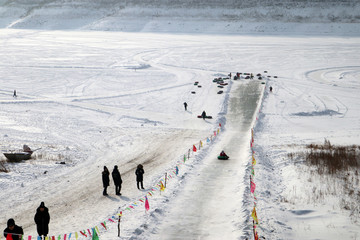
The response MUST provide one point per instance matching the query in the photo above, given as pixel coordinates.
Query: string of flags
(95, 232)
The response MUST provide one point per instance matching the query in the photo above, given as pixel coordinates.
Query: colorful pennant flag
(177, 170)
(252, 187)
(254, 216)
(9, 236)
(162, 187)
(194, 148)
(95, 235)
(147, 206)
(253, 160)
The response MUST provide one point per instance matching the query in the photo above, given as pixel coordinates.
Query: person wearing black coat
(106, 180)
(117, 180)
(14, 230)
(139, 175)
(42, 219)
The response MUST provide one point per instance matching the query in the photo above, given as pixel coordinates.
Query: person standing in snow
(117, 180)
(14, 231)
(203, 114)
(106, 180)
(42, 219)
(185, 106)
(14, 95)
(139, 176)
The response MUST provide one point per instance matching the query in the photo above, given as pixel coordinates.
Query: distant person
(14, 231)
(42, 220)
(270, 89)
(14, 95)
(139, 176)
(106, 180)
(223, 154)
(117, 180)
(203, 115)
(185, 106)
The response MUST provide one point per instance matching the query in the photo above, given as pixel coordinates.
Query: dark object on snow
(13, 229)
(193, 92)
(14, 156)
(117, 180)
(199, 86)
(139, 172)
(270, 89)
(17, 156)
(14, 95)
(208, 117)
(203, 115)
(275, 76)
(196, 83)
(220, 92)
(185, 106)
(105, 180)
(42, 219)
(220, 86)
(223, 156)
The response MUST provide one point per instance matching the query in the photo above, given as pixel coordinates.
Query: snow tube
(223, 157)
(209, 117)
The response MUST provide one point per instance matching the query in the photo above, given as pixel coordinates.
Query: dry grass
(337, 168)
(3, 167)
(332, 159)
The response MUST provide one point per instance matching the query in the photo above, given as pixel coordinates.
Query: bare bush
(3, 167)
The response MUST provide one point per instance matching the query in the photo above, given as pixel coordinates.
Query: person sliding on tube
(223, 154)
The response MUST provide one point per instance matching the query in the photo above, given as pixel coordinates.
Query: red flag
(147, 206)
(194, 148)
(252, 188)
(9, 237)
(219, 124)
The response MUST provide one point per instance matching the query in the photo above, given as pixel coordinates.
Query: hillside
(214, 16)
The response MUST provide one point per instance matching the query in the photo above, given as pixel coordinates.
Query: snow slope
(104, 98)
(114, 96)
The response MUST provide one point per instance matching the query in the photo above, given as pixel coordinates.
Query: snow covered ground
(103, 98)
(95, 98)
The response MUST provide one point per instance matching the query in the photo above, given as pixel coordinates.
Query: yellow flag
(254, 216)
(76, 235)
(162, 187)
(253, 160)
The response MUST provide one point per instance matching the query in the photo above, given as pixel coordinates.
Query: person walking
(14, 95)
(42, 219)
(185, 106)
(106, 180)
(14, 231)
(139, 176)
(117, 180)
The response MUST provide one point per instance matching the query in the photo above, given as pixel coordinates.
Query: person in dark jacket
(14, 230)
(106, 180)
(117, 180)
(139, 176)
(42, 219)
(203, 115)
(185, 106)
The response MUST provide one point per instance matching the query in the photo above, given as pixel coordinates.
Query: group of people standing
(41, 218)
(117, 179)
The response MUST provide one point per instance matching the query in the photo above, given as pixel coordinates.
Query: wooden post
(165, 179)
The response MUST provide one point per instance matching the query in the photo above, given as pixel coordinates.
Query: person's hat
(11, 222)
(42, 205)
(116, 166)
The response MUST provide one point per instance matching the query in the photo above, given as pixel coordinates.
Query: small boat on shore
(19, 155)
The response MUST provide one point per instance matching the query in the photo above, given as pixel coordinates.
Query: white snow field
(103, 84)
